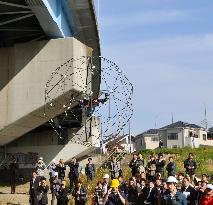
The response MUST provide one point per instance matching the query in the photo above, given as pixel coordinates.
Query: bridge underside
(36, 36)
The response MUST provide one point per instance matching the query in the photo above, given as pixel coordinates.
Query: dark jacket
(171, 168)
(114, 199)
(160, 165)
(190, 165)
(152, 196)
(80, 199)
(134, 166)
(43, 190)
(191, 199)
(33, 190)
(61, 170)
(62, 198)
(73, 170)
(132, 195)
(90, 170)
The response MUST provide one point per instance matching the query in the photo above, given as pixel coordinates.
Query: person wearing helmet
(105, 183)
(172, 195)
(114, 196)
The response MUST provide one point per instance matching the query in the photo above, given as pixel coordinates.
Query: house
(147, 140)
(181, 134)
(210, 134)
(122, 143)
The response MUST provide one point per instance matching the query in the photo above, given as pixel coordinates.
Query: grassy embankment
(203, 157)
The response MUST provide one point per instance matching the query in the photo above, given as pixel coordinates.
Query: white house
(147, 140)
(123, 143)
(181, 134)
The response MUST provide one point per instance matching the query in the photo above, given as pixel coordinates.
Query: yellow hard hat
(115, 183)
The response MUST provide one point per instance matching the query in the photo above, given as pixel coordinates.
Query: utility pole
(130, 138)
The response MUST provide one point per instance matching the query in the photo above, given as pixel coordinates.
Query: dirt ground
(20, 198)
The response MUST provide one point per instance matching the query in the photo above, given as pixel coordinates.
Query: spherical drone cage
(112, 105)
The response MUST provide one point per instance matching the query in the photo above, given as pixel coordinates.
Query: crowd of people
(153, 182)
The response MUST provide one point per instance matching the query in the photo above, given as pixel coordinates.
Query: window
(172, 136)
(174, 146)
(155, 139)
(204, 136)
(141, 142)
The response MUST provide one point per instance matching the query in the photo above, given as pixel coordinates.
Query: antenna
(205, 121)
(172, 118)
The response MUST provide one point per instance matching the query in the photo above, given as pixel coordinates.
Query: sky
(165, 47)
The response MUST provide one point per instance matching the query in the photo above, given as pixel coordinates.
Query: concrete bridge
(37, 36)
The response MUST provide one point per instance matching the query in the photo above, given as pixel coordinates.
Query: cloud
(144, 18)
(170, 75)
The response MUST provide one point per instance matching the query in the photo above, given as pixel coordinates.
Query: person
(80, 194)
(73, 174)
(114, 168)
(98, 194)
(204, 178)
(172, 195)
(123, 184)
(105, 184)
(52, 168)
(190, 166)
(207, 198)
(152, 196)
(200, 191)
(142, 191)
(158, 184)
(132, 194)
(54, 187)
(160, 163)
(134, 165)
(13, 167)
(90, 170)
(40, 167)
(188, 191)
(160, 144)
(141, 164)
(171, 167)
(42, 191)
(151, 167)
(61, 168)
(34, 183)
(62, 196)
(114, 196)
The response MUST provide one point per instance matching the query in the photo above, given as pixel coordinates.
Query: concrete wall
(25, 69)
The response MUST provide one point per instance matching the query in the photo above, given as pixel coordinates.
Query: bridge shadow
(14, 59)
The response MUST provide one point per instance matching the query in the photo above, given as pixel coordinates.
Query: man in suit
(42, 191)
(34, 183)
(152, 195)
(73, 174)
(188, 191)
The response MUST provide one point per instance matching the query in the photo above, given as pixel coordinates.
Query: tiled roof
(150, 131)
(181, 124)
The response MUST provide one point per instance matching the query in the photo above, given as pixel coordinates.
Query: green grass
(203, 157)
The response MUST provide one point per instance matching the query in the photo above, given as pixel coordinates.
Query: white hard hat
(106, 176)
(171, 179)
(209, 186)
(40, 158)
